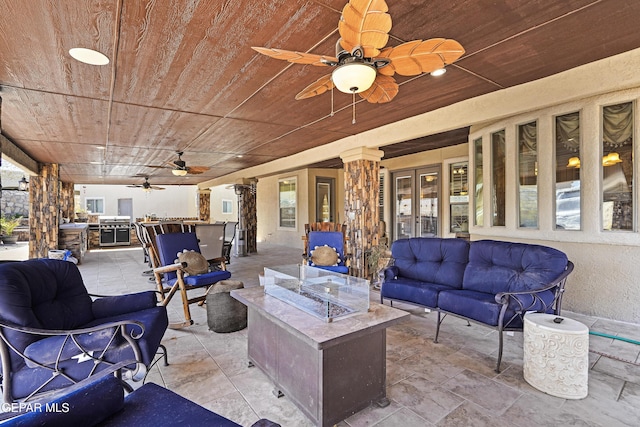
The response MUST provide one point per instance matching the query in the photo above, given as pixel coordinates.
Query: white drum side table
(556, 355)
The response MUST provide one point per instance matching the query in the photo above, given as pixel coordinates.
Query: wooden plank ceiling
(183, 77)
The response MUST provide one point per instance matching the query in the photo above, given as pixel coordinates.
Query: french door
(416, 209)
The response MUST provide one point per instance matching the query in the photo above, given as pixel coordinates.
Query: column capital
(361, 153)
(204, 191)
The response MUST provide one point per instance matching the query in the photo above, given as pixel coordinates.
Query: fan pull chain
(332, 112)
(353, 121)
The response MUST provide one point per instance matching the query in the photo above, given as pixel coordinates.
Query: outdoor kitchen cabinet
(74, 236)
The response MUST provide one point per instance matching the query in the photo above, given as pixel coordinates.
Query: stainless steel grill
(115, 230)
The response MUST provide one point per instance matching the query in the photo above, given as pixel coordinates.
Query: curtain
(617, 125)
(568, 131)
(529, 136)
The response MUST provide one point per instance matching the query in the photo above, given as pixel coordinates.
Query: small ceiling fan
(146, 185)
(181, 169)
(362, 64)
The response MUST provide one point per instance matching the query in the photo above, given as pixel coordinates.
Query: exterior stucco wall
(268, 219)
(218, 194)
(174, 201)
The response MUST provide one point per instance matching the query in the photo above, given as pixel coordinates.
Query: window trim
(104, 207)
(229, 203)
(294, 181)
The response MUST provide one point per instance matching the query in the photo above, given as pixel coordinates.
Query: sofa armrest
(122, 304)
(60, 345)
(390, 272)
(523, 301)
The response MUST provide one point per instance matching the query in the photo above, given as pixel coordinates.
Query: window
(498, 180)
(617, 167)
(478, 194)
(94, 205)
(287, 202)
(227, 206)
(567, 135)
(459, 197)
(528, 175)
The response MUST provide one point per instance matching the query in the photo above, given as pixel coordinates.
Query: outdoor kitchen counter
(74, 236)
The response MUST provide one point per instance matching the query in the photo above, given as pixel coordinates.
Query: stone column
(247, 217)
(361, 184)
(43, 212)
(67, 202)
(204, 205)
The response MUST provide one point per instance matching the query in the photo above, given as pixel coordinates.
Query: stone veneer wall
(248, 211)
(361, 178)
(43, 212)
(14, 202)
(67, 202)
(204, 205)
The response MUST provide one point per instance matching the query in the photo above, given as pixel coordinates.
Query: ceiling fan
(146, 185)
(181, 169)
(362, 64)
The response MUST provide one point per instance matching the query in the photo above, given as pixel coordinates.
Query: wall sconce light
(611, 159)
(574, 162)
(23, 184)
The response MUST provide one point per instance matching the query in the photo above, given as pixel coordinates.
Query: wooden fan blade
(134, 186)
(153, 187)
(417, 56)
(318, 87)
(196, 170)
(296, 57)
(383, 89)
(365, 23)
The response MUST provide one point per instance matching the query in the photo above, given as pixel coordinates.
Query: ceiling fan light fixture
(88, 56)
(179, 172)
(438, 72)
(353, 77)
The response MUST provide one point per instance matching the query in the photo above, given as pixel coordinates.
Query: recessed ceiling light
(96, 163)
(100, 147)
(88, 56)
(239, 156)
(438, 72)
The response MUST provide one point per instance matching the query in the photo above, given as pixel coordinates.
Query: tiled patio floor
(451, 383)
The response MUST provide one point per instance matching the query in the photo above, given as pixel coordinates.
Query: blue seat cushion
(206, 279)
(496, 266)
(152, 405)
(432, 260)
(482, 306)
(414, 291)
(155, 321)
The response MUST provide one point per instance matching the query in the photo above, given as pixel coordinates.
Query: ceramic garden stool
(224, 313)
(556, 355)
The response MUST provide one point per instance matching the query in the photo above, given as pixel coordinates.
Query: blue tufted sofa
(486, 281)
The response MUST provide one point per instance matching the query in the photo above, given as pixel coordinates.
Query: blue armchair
(53, 335)
(172, 275)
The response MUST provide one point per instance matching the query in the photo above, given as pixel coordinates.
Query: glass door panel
(416, 209)
(404, 206)
(429, 185)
